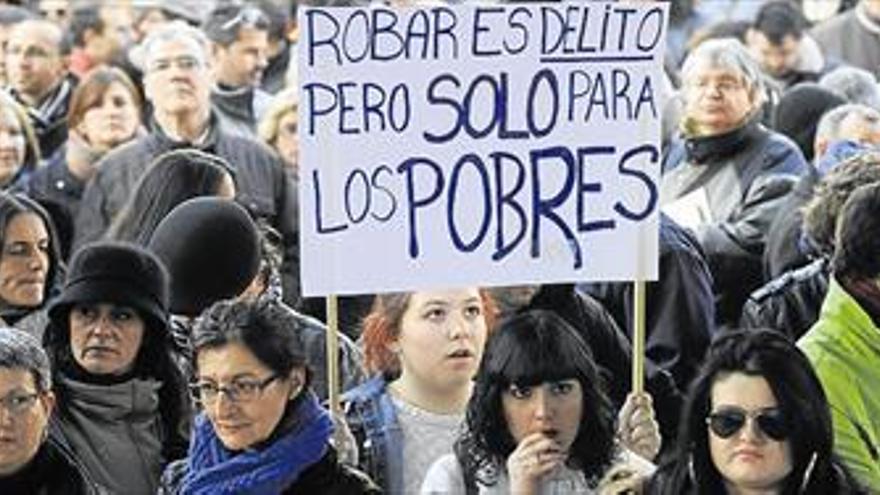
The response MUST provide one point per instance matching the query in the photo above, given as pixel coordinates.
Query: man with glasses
(32, 460)
(177, 81)
(240, 41)
(726, 175)
(36, 65)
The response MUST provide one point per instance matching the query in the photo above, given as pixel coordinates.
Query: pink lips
(748, 454)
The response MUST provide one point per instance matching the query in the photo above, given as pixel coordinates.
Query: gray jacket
(745, 174)
(115, 431)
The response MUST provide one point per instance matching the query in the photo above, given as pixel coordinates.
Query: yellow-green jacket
(844, 347)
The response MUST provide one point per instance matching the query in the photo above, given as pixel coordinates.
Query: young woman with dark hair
(539, 420)
(756, 419)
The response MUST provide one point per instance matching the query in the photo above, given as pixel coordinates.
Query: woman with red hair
(424, 349)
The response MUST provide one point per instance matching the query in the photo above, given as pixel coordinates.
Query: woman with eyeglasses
(261, 429)
(756, 421)
(122, 402)
(539, 420)
(32, 458)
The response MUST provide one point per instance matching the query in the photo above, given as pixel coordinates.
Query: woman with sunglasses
(756, 421)
(261, 430)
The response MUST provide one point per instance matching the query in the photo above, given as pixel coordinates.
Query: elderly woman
(122, 403)
(30, 264)
(105, 111)
(423, 349)
(539, 421)
(726, 175)
(261, 429)
(756, 421)
(32, 459)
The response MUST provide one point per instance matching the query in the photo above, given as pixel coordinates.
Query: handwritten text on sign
(478, 145)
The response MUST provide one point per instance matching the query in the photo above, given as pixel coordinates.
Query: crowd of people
(154, 337)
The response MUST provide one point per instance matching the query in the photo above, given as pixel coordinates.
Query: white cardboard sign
(451, 146)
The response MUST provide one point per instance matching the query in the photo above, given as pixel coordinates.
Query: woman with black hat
(122, 402)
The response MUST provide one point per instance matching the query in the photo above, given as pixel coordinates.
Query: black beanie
(113, 272)
(798, 112)
(211, 248)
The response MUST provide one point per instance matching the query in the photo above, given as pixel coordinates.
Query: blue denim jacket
(372, 418)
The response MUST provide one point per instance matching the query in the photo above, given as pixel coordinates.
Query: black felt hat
(113, 272)
(211, 248)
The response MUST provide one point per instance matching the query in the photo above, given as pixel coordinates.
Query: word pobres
(511, 186)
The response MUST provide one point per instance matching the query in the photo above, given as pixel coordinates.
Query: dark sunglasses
(726, 422)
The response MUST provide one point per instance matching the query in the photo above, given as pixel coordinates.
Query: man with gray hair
(853, 84)
(33, 459)
(177, 80)
(841, 132)
(726, 174)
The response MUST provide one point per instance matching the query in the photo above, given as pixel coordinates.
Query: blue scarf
(212, 469)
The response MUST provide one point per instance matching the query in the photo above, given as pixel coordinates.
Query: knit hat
(211, 248)
(798, 112)
(119, 273)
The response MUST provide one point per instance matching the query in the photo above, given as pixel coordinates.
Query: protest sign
(451, 146)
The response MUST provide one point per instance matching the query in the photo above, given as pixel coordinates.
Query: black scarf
(711, 149)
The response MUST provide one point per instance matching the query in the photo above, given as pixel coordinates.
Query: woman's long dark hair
(529, 349)
(15, 204)
(171, 179)
(770, 355)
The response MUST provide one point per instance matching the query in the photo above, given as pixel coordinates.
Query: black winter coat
(789, 303)
(328, 477)
(54, 470)
(680, 306)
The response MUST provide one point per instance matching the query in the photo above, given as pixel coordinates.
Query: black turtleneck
(710, 149)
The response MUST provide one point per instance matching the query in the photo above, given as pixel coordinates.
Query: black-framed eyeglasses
(727, 421)
(16, 403)
(240, 390)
